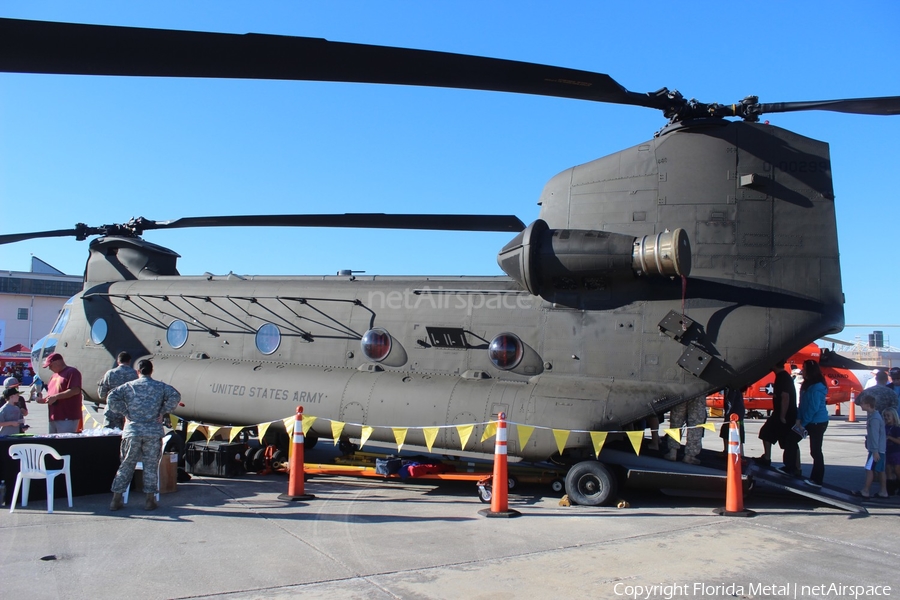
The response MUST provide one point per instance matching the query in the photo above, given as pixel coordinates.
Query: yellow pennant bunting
(211, 431)
(364, 437)
(710, 426)
(307, 423)
(336, 428)
(235, 431)
(524, 432)
(562, 436)
(599, 438)
(173, 420)
(465, 432)
(289, 424)
(400, 436)
(674, 433)
(262, 428)
(430, 436)
(191, 428)
(490, 430)
(636, 438)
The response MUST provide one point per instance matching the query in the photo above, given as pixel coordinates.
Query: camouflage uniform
(143, 402)
(883, 397)
(694, 412)
(111, 380)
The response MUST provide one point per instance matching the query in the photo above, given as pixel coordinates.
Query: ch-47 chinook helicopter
(652, 276)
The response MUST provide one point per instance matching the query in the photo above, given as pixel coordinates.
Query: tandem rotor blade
(504, 223)
(11, 238)
(501, 223)
(888, 105)
(78, 49)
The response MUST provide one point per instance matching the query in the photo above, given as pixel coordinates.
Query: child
(875, 443)
(9, 413)
(19, 400)
(892, 449)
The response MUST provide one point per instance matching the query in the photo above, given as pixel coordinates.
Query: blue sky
(102, 150)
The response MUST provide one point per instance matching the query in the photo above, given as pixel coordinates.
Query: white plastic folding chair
(140, 467)
(32, 465)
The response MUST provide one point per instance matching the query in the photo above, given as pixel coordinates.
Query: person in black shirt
(777, 428)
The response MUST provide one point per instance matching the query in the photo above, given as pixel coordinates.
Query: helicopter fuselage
(601, 340)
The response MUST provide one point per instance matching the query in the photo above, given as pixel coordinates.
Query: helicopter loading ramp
(678, 478)
(826, 494)
(674, 478)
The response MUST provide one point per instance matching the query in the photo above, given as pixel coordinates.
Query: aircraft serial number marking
(228, 389)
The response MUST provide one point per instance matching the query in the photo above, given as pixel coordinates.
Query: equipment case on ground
(218, 459)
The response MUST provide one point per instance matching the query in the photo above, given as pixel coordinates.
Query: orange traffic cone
(851, 416)
(837, 409)
(500, 491)
(734, 494)
(295, 481)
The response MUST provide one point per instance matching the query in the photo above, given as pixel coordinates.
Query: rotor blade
(78, 49)
(11, 238)
(835, 341)
(887, 105)
(503, 223)
(833, 359)
(506, 223)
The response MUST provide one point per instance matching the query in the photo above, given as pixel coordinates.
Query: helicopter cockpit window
(177, 334)
(99, 330)
(505, 351)
(268, 338)
(61, 320)
(376, 344)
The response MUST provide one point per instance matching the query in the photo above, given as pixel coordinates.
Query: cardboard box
(168, 473)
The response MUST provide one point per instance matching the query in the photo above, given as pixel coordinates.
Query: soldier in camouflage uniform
(694, 411)
(122, 373)
(144, 402)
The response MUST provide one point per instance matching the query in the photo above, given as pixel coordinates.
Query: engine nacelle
(543, 259)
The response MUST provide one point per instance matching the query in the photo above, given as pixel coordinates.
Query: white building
(30, 302)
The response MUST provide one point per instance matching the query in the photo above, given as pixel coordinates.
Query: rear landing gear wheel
(589, 483)
(557, 485)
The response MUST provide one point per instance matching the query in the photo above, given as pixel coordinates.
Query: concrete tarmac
(372, 539)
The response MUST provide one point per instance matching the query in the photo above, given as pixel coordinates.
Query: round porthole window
(268, 338)
(99, 330)
(177, 334)
(376, 344)
(506, 351)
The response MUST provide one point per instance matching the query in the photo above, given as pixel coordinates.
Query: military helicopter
(651, 276)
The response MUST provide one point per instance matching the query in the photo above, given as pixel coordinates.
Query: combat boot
(117, 501)
(672, 454)
(150, 502)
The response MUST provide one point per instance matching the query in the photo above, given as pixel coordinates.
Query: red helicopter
(843, 377)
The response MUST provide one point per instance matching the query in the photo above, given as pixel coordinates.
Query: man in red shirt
(64, 395)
